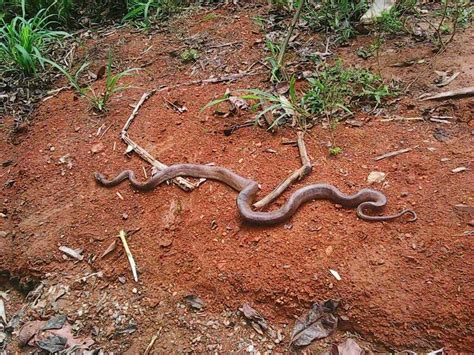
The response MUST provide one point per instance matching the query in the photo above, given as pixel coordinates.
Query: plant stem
(284, 44)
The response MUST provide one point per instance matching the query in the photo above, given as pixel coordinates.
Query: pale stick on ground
(296, 175)
(122, 236)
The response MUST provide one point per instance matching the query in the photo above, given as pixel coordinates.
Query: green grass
(339, 88)
(335, 91)
(337, 16)
(25, 42)
(144, 12)
(98, 100)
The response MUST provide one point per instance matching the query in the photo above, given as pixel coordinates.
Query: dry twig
(152, 342)
(469, 91)
(122, 236)
(296, 175)
(393, 154)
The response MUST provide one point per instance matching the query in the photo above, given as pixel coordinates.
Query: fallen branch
(220, 79)
(139, 104)
(183, 183)
(122, 236)
(402, 119)
(296, 175)
(152, 342)
(393, 154)
(469, 91)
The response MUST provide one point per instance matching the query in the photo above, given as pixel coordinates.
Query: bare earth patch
(404, 285)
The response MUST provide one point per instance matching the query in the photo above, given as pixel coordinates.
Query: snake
(365, 201)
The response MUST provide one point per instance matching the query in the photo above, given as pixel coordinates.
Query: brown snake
(364, 200)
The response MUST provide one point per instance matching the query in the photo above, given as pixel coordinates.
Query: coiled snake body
(365, 200)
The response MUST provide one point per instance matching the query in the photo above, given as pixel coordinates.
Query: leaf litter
(318, 323)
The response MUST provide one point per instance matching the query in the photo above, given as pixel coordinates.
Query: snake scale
(366, 200)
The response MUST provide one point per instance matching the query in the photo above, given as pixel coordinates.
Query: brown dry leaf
(239, 103)
(194, 302)
(258, 322)
(349, 347)
(318, 323)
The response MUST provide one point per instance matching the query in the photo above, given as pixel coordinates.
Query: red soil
(404, 285)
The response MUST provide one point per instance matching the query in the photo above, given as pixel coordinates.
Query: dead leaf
(349, 347)
(74, 253)
(318, 323)
(3, 315)
(29, 330)
(239, 103)
(444, 78)
(282, 87)
(258, 322)
(100, 73)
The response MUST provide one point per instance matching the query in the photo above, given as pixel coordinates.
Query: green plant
(336, 16)
(338, 88)
(335, 150)
(189, 55)
(209, 17)
(143, 12)
(98, 100)
(272, 60)
(390, 22)
(286, 109)
(24, 43)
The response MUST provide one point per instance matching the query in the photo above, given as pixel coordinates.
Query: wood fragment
(142, 100)
(122, 236)
(76, 254)
(220, 79)
(183, 183)
(268, 115)
(119, 195)
(152, 342)
(393, 154)
(105, 131)
(298, 174)
(399, 118)
(468, 91)
(437, 120)
(109, 249)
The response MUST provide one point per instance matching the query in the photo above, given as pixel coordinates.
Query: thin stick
(183, 183)
(296, 175)
(152, 342)
(402, 119)
(284, 44)
(142, 100)
(393, 154)
(122, 236)
(217, 80)
(469, 91)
